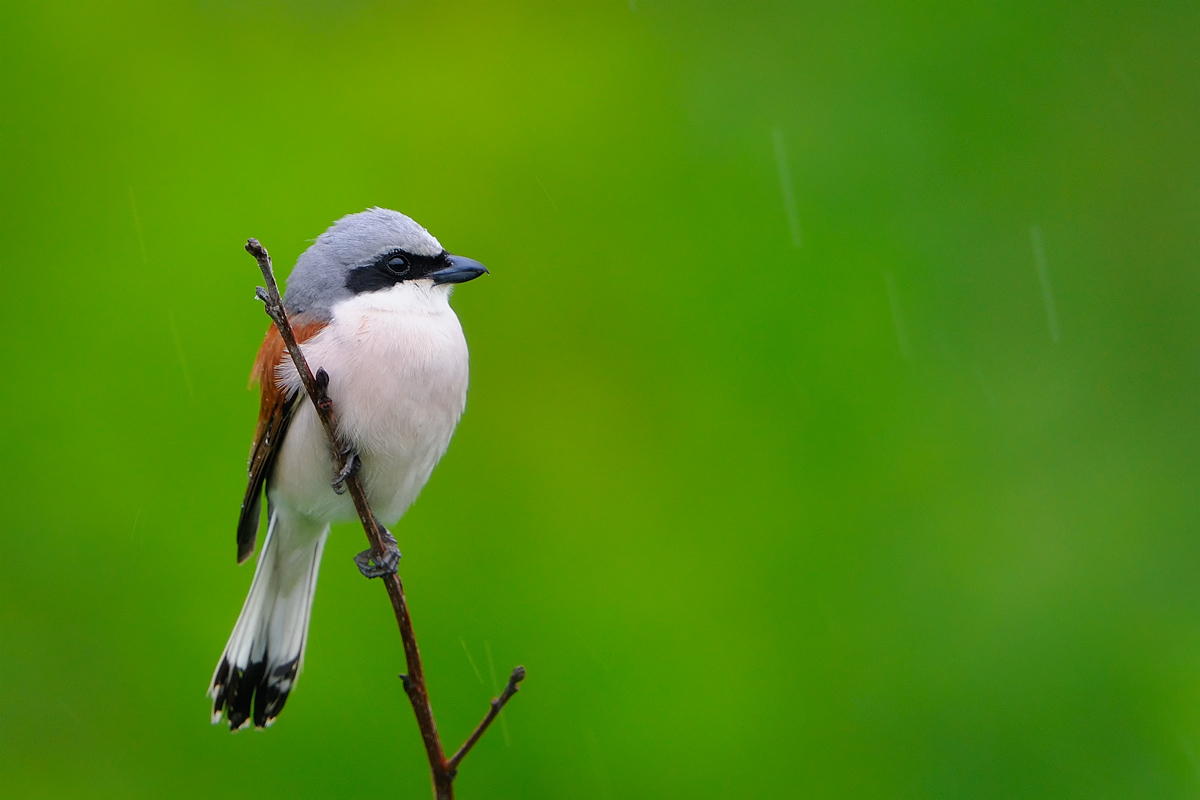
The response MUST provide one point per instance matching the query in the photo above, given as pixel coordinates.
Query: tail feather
(266, 649)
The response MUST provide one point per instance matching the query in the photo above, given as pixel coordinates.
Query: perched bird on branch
(369, 303)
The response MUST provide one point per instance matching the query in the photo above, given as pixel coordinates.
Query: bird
(368, 301)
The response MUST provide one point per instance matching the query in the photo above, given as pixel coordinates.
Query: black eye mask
(391, 268)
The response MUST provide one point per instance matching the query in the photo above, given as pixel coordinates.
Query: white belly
(397, 363)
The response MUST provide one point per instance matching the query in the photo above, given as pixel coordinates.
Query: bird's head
(370, 251)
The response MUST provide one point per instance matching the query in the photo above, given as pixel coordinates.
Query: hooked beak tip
(461, 270)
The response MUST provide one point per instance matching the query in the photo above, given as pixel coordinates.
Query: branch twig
(517, 676)
(316, 386)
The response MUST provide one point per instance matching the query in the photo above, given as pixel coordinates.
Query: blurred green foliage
(762, 520)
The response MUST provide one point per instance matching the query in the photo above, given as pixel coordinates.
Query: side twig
(510, 689)
(316, 386)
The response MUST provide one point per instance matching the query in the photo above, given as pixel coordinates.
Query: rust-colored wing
(274, 414)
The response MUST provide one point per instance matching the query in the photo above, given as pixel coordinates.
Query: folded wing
(274, 415)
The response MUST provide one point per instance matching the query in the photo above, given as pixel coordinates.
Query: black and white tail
(266, 649)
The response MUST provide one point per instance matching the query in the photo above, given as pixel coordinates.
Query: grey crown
(318, 281)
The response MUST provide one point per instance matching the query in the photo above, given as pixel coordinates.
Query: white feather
(397, 362)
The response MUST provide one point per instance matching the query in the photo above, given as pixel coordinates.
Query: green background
(773, 473)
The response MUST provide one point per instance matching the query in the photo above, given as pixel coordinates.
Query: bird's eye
(397, 265)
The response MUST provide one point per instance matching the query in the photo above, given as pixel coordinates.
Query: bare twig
(316, 386)
(510, 689)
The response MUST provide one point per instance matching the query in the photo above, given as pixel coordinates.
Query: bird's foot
(373, 566)
(352, 462)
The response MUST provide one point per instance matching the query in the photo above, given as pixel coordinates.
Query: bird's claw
(352, 463)
(372, 566)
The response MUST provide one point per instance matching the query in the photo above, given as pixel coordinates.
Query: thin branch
(316, 386)
(510, 689)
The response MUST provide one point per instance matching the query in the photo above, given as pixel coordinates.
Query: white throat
(422, 296)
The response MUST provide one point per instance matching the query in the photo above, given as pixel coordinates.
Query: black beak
(461, 270)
